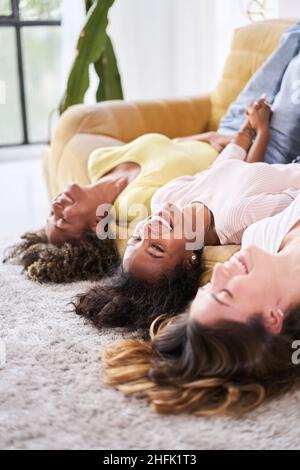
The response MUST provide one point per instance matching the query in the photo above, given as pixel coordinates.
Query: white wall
(165, 48)
(172, 47)
(73, 18)
(289, 8)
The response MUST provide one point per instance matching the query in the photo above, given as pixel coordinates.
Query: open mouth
(164, 219)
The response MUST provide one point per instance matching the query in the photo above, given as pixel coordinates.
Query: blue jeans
(267, 79)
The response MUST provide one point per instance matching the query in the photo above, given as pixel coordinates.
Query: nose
(220, 276)
(71, 190)
(219, 269)
(71, 186)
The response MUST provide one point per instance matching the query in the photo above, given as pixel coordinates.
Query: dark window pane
(42, 64)
(5, 7)
(40, 9)
(10, 112)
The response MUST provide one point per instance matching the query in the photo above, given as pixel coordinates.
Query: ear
(273, 321)
(193, 259)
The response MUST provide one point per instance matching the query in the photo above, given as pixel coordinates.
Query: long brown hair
(192, 368)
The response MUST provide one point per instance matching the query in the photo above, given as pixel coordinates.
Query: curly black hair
(86, 259)
(127, 301)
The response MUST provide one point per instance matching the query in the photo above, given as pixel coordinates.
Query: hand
(219, 141)
(258, 114)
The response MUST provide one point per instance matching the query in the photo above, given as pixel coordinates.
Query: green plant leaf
(110, 87)
(90, 47)
(88, 4)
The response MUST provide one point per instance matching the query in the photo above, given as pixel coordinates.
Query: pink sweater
(236, 192)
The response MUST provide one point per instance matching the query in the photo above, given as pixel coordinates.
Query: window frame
(14, 20)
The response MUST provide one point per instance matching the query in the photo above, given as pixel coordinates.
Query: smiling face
(73, 213)
(159, 244)
(246, 285)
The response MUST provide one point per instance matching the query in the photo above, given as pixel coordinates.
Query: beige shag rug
(52, 397)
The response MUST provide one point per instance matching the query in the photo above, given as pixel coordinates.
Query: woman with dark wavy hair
(217, 204)
(127, 301)
(237, 344)
(77, 243)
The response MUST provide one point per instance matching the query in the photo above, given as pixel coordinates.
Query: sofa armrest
(116, 122)
(127, 120)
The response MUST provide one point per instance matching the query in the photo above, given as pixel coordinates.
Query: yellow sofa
(83, 128)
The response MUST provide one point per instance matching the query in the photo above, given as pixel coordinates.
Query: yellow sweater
(160, 159)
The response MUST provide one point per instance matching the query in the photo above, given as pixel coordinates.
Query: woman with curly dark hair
(75, 260)
(238, 343)
(69, 249)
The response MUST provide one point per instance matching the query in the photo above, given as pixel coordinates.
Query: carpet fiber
(52, 397)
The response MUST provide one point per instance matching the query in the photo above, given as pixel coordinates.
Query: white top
(238, 193)
(269, 233)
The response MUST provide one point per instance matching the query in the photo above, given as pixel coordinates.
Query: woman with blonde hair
(238, 343)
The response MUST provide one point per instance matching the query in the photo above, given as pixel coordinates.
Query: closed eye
(136, 238)
(221, 298)
(227, 292)
(158, 248)
(60, 223)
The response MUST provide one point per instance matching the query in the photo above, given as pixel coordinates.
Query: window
(30, 69)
